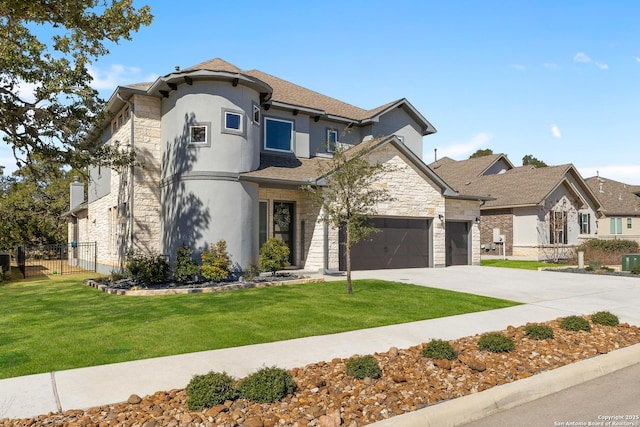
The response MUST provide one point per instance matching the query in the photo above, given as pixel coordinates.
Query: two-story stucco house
(536, 213)
(222, 153)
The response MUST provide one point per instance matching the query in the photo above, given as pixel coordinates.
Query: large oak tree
(47, 104)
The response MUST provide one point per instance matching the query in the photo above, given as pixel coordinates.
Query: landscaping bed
(128, 287)
(327, 396)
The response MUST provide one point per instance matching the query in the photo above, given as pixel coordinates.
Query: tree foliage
(47, 106)
(530, 160)
(350, 197)
(481, 153)
(31, 209)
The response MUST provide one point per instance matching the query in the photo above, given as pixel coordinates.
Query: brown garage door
(400, 243)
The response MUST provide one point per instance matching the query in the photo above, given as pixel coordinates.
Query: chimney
(76, 193)
(435, 154)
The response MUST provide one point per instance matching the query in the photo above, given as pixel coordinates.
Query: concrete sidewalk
(548, 295)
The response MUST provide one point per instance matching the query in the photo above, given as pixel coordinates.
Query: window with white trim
(199, 134)
(232, 122)
(278, 134)
(629, 224)
(256, 114)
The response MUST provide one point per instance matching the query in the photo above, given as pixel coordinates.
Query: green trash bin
(629, 261)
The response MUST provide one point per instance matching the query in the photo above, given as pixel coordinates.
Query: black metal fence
(51, 260)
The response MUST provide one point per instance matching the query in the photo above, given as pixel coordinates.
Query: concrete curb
(472, 407)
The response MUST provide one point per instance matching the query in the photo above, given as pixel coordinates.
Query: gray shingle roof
(520, 186)
(617, 198)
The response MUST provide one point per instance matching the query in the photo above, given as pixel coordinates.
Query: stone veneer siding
(147, 176)
(414, 195)
(497, 218)
(146, 236)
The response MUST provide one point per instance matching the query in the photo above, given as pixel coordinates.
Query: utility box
(629, 261)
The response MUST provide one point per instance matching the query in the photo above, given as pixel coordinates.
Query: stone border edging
(475, 406)
(204, 290)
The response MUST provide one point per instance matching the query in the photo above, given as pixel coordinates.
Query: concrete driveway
(568, 293)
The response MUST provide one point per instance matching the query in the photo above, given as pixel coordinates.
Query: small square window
(232, 121)
(198, 134)
(256, 114)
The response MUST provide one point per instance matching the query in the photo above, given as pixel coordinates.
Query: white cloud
(555, 131)
(117, 75)
(518, 67)
(585, 59)
(581, 57)
(629, 174)
(464, 149)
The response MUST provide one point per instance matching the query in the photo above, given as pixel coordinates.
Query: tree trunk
(348, 256)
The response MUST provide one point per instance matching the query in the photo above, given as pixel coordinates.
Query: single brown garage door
(400, 243)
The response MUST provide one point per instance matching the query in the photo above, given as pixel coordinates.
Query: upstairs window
(332, 140)
(278, 134)
(199, 134)
(232, 122)
(256, 114)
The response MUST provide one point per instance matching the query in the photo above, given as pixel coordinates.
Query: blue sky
(558, 80)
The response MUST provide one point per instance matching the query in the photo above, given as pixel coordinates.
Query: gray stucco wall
(398, 122)
(202, 199)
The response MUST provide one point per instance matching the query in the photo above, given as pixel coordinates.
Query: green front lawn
(55, 324)
(525, 265)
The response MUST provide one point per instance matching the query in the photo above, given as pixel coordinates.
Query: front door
(283, 225)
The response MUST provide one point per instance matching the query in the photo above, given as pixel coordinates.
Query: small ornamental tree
(274, 255)
(348, 194)
(216, 262)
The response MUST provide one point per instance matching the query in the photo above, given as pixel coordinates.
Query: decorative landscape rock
(326, 396)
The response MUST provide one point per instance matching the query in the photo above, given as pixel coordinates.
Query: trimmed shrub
(206, 391)
(216, 262)
(274, 255)
(538, 332)
(439, 349)
(364, 367)
(605, 318)
(149, 269)
(251, 273)
(575, 323)
(606, 251)
(185, 269)
(267, 385)
(496, 343)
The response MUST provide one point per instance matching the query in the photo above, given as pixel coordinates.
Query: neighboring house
(620, 206)
(540, 213)
(221, 154)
